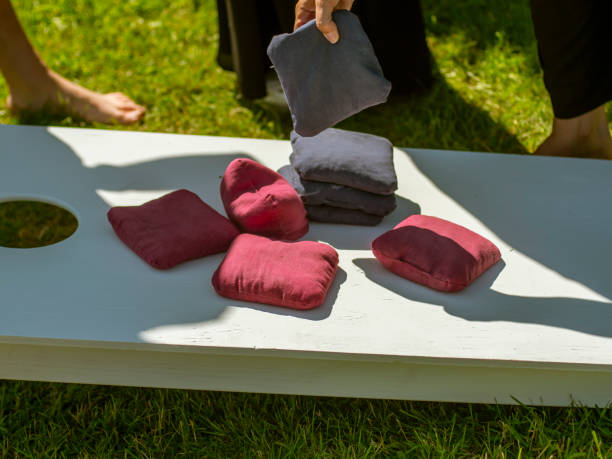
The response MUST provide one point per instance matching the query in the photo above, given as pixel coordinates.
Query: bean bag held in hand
(325, 83)
(294, 275)
(435, 252)
(172, 229)
(260, 201)
(354, 159)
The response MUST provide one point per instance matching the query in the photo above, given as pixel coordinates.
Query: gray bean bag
(328, 214)
(354, 159)
(324, 83)
(320, 193)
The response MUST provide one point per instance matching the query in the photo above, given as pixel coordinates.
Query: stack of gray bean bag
(343, 176)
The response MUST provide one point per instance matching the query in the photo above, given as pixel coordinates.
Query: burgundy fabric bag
(294, 275)
(172, 229)
(435, 252)
(260, 201)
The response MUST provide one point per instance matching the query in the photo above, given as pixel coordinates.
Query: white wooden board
(537, 327)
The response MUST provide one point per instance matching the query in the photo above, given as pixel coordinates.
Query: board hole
(28, 223)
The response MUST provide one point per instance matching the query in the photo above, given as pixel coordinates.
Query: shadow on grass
(437, 118)
(440, 118)
(48, 117)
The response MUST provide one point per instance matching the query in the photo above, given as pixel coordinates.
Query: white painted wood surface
(537, 326)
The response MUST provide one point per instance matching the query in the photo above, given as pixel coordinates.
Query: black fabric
(397, 32)
(224, 55)
(319, 193)
(328, 214)
(326, 83)
(574, 43)
(353, 159)
(273, 17)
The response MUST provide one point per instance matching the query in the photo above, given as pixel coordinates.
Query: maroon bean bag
(435, 252)
(260, 201)
(172, 229)
(294, 275)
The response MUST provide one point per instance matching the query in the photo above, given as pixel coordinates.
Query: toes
(128, 107)
(129, 117)
(124, 103)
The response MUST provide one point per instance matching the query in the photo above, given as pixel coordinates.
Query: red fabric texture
(434, 252)
(260, 201)
(172, 229)
(294, 275)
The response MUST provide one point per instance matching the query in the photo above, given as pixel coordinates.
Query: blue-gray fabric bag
(353, 159)
(326, 83)
(320, 193)
(328, 214)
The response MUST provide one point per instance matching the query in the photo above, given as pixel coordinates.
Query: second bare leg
(586, 136)
(34, 87)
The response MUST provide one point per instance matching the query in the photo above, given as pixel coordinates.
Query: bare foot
(585, 136)
(64, 97)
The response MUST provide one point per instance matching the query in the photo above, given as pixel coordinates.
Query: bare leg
(586, 136)
(33, 86)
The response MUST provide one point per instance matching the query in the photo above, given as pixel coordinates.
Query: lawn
(488, 96)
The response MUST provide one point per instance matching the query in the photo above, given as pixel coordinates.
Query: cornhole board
(535, 329)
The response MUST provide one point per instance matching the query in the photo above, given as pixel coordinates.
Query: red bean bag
(260, 201)
(172, 229)
(294, 275)
(435, 252)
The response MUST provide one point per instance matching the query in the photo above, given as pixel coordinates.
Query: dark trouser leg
(224, 55)
(574, 45)
(397, 32)
(246, 47)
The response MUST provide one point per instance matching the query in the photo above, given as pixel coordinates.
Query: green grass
(39, 419)
(27, 224)
(488, 96)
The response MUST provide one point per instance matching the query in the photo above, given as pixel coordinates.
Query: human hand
(321, 10)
